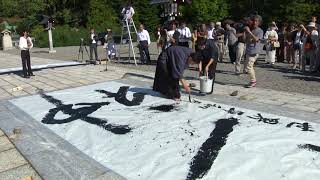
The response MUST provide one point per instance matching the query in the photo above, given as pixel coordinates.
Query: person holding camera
(311, 47)
(25, 44)
(127, 12)
(231, 36)
(240, 49)
(93, 46)
(220, 40)
(109, 45)
(253, 47)
(299, 36)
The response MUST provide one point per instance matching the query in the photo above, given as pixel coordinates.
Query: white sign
(142, 136)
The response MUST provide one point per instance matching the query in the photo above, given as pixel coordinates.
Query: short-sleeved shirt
(211, 51)
(253, 48)
(231, 36)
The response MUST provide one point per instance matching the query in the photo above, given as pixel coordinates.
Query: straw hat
(312, 24)
(218, 23)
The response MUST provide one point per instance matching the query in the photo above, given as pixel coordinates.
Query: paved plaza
(280, 91)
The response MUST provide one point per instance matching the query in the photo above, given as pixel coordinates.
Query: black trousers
(144, 50)
(233, 52)
(93, 47)
(26, 64)
(185, 44)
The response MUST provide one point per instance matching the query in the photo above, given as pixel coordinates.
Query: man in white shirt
(172, 35)
(185, 35)
(127, 12)
(25, 44)
(144, 41)
(93, 46)
(211, 31)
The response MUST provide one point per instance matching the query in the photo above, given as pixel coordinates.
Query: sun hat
(312, 24)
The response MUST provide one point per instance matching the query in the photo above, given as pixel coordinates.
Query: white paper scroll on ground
(142, 136)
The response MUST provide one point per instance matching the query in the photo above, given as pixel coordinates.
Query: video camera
(246, 21)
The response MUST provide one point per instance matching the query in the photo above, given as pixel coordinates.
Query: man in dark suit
(93, 46)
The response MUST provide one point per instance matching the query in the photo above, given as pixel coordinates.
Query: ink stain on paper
(163, 108)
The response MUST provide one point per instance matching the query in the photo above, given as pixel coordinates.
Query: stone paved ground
(279, 78)
(9, 61)
(277, 86)
(13, 166)
(12, 85)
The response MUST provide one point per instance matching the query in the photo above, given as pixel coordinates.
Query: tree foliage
(206, 10)
(101, 14)
(146, 14)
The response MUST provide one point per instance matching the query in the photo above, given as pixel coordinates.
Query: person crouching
(207, 55)
(169, 72)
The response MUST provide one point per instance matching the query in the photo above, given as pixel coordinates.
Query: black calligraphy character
(80, 113)
(265, 120)
(207, 106)
(302, 126)
(209, 150)
(121, 96)
(309, 147)
(233, 111)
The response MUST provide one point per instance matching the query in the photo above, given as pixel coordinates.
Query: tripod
(82, 46)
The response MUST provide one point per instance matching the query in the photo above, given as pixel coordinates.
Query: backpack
(308, 45)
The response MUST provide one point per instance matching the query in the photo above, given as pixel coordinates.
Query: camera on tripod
(82, 47)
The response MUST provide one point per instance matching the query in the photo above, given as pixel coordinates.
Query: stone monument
(6, 40)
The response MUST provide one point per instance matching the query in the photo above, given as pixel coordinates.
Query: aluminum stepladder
(127, 25)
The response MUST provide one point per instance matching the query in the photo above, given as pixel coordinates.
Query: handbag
(276, 44)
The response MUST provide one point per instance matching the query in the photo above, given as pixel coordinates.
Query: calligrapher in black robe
(170, 67)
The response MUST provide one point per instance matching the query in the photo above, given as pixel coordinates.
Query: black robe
(170, 67)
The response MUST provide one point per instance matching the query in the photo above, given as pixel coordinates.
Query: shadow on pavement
(305, 78)
(127, 75)
(39, 52)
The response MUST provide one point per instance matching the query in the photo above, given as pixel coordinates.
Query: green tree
(8, 8)
(206, 10)
(146, 14)
(299, 10)
(21, 8)
(101, 15)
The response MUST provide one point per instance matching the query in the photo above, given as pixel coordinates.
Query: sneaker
(251, 84)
